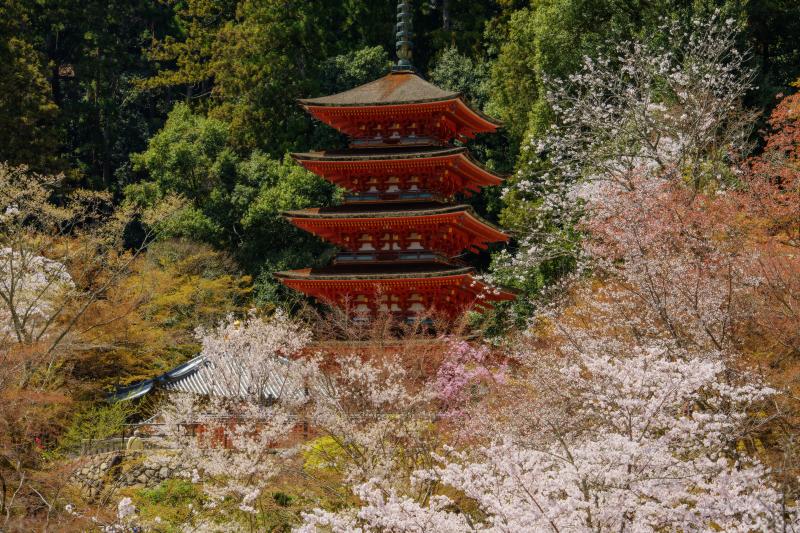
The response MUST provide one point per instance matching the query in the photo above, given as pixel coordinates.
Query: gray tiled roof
(199, 376)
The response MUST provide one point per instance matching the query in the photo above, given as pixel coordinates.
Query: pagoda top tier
(400, 109)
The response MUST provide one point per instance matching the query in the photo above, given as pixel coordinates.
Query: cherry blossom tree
(31, 286)
(229, 436)
(375, 420)
(61, 252)
(466, 373)
(668, 108)
(716, 269)
(638, 440)
(378, 417)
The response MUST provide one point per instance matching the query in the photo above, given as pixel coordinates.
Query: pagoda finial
(404, 34)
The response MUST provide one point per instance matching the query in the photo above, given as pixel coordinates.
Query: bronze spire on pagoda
(404, 35)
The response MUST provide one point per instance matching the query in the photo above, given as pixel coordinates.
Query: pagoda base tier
(404, 290)
(399, 105)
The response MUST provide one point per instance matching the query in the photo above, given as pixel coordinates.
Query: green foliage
(346, 71)
(277, 186)
(92, 51)
(27, 111)
(95, 422)
(171, 492)
(259, 64)
(441, 24)
(248, 62)
(461, 73)
(174, 502)
(323, 454)
(282, 499)
(190, 47)
(549, 39)
(175, 287)
(773, 33)
(228, 194)
(189, 156)
(234, 202)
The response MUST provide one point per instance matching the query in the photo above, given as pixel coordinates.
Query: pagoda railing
(391, 196)
(410, 256)
(394, 141)
(405, 318)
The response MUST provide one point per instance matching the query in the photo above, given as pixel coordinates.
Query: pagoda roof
(396, 95)
(333, 282)
(391, 275)
(337, 165)
(393, 210)
(393, 89)
(385, 210)
(330, 221)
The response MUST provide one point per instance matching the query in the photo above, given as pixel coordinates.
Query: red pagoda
(399, 231)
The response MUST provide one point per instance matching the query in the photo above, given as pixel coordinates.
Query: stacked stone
(93, 475)
(119, 470)
(146, 474)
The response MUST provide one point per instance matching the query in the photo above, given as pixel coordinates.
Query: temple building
(399, 231)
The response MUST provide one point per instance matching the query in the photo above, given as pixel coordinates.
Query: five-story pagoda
(399, 231)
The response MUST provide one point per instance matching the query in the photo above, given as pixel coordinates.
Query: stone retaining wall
(99, 474)
(92, 474)
(144, 474)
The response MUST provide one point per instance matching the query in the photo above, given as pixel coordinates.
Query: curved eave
(315, 284)
(132, 392)
(317, 213)
(307, 275)
(471, 119)
(310, 219)
(491, 124)
(185, 369)
(322, 164)
(489, 177)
